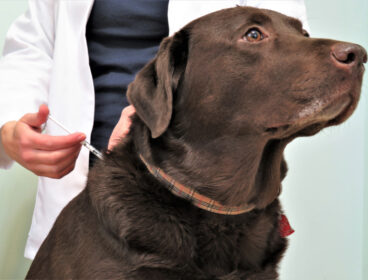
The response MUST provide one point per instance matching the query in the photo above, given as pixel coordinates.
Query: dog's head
(246, 69)
(247, 73)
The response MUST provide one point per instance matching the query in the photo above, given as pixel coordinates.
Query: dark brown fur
(215, 112)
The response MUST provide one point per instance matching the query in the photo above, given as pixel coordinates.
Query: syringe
(92, 149)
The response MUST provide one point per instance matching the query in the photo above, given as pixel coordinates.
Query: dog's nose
(348, 54)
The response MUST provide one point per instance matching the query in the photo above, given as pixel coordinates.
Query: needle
(92, 149)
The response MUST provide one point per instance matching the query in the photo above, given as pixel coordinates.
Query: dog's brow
(259, 18)
(297, 24)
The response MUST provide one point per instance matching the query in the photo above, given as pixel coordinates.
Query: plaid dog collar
(193, 196)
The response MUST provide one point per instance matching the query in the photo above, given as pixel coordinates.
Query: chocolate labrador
(192, 192)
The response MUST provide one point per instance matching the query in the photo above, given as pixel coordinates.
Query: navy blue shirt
(122, 36)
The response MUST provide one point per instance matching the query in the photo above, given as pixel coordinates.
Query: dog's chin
(345, 113)
(335, 113)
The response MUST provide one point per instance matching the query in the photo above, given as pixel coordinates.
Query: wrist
(6, 134)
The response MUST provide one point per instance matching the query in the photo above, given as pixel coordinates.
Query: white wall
(323, 194)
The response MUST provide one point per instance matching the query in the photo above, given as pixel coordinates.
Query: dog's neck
(249, 171)
(197, 199)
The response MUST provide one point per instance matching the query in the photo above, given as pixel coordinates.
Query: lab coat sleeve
(26, 64)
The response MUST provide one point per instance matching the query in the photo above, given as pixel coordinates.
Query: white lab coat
(45, 60)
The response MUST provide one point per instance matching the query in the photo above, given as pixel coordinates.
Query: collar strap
(193, 196)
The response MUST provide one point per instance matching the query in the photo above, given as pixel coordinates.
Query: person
(75, 60)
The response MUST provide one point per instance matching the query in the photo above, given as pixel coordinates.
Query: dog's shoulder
(138, 209)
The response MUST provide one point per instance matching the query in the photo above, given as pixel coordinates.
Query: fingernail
(81, 137)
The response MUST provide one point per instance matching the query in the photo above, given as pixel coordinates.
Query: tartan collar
(193, 196)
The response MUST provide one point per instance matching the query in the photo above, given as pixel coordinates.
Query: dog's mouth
(345, 113)
(318, 116)
(334, 110)
(333, 114)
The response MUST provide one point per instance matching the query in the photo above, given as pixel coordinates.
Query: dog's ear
(151, 93)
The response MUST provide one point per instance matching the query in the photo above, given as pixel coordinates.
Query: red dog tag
(285, 228)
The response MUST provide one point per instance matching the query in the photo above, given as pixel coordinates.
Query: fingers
(44, 155)
(128, 111)
(36, 120)
(49, 161)
(29, 138)
(54, 164)
(51, 143)
(34, 157)
(122, 127)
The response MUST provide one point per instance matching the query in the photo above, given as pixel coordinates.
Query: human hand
(44, 155)
(122, 128)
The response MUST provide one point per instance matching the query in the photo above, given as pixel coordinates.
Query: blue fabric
(122, 36)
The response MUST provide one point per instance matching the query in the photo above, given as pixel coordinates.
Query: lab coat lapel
(77, 13)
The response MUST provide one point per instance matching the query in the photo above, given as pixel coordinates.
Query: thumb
(122, 128)
(36, 119)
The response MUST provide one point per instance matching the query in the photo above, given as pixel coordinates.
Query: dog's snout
(348, 54)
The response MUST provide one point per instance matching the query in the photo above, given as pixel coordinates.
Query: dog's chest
(218, 250)
(222, 248)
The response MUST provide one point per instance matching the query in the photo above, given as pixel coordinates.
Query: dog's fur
(214, 111)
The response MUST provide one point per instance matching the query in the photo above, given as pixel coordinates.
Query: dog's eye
(253, 35)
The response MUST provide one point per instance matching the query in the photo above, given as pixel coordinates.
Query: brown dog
(215, 110)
